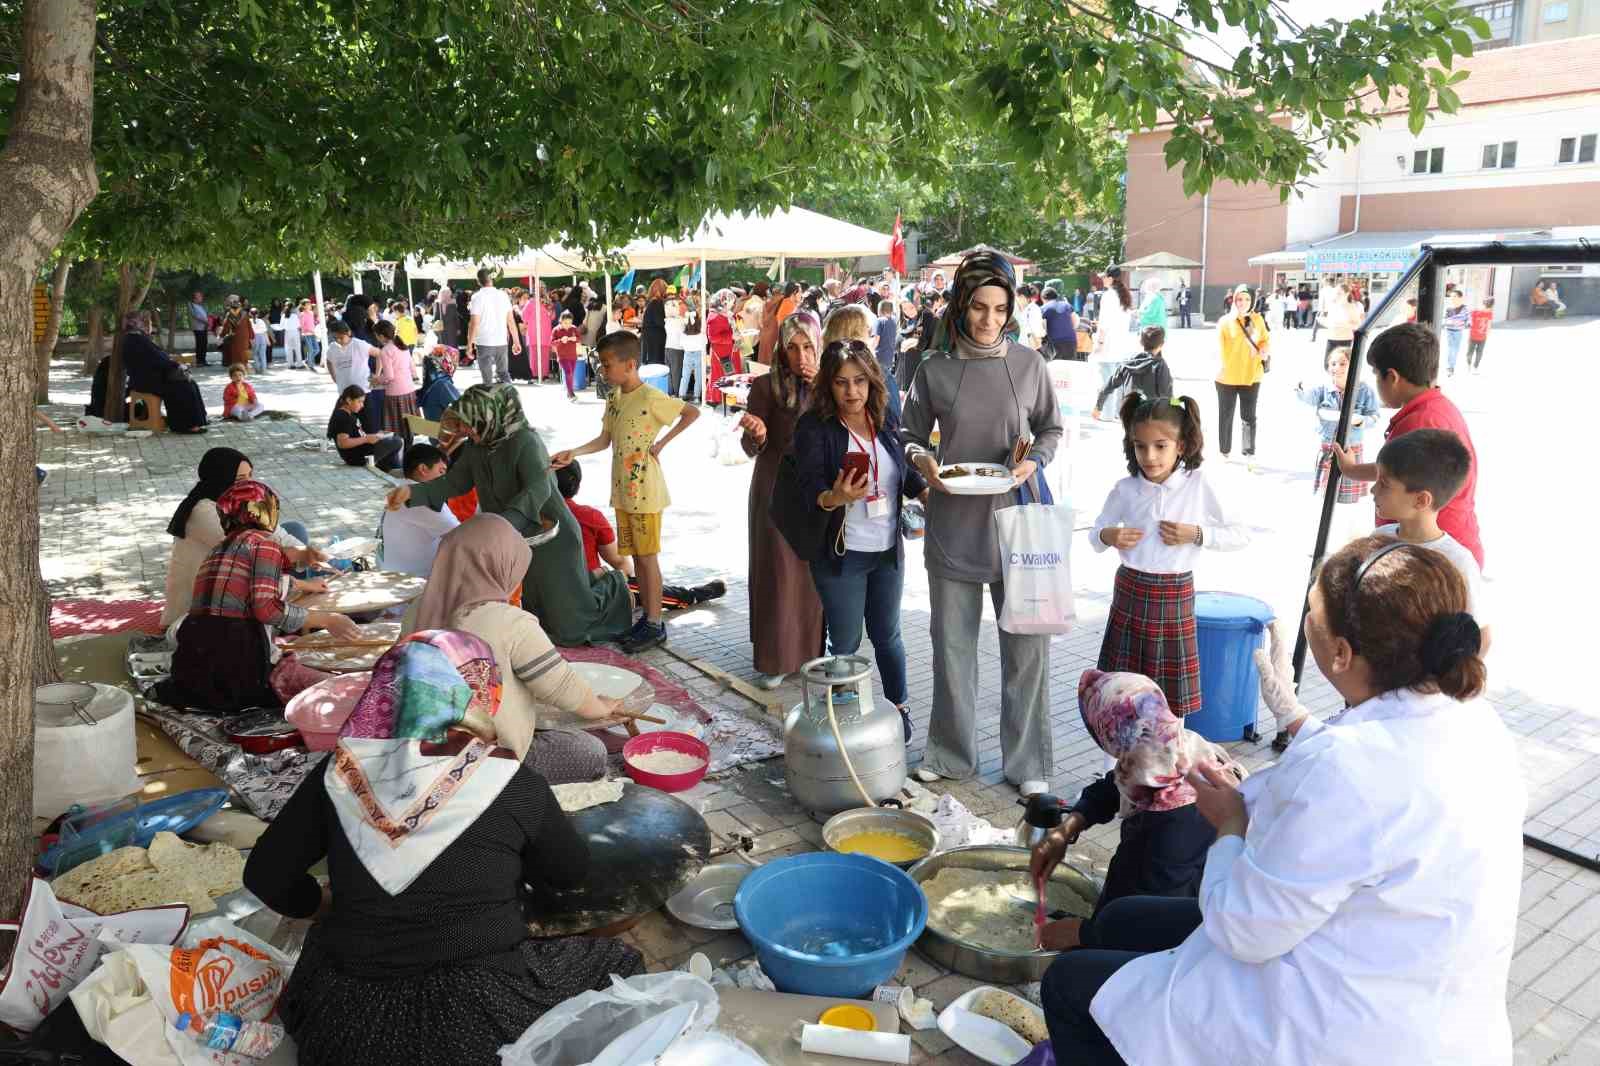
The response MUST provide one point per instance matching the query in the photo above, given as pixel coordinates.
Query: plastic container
(102, 830)
(825, 924)
(655, 374)
(666, 740)
(319, 712)
(1229, 629)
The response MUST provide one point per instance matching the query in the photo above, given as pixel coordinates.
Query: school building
(1518, 161)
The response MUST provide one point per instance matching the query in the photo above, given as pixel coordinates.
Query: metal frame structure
(1424, 270)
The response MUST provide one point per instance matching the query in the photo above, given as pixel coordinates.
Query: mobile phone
(855, 465)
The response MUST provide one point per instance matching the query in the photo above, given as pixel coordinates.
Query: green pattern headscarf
(491, 412)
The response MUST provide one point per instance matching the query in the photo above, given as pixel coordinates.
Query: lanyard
(869, 447)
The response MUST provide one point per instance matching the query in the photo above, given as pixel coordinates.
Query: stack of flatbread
(169, 871)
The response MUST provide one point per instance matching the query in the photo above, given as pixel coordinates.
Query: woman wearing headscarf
(419, 952)
(227, 661)
(196, 528)
(1359, 906)
(153, 371)
(653, 325)
(236, 333)
(1164, 836)
(509, 466)
(785, 613)
(993, 403)
(1113, 341)
(479, 567)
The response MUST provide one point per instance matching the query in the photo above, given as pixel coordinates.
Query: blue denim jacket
(819, 449)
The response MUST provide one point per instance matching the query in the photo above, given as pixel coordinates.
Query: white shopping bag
(1036, 565)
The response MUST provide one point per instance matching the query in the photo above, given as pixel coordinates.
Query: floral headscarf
(401, 794)
(1128, 716)
(491, 413)
(792, 390)
(248, 505)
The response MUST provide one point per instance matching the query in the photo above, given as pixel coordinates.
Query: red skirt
(1151, 631)
(1349, 491)
(395, 409)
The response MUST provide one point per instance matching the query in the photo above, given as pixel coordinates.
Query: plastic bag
(727, 443)
(579, 1031)
(1036, 559)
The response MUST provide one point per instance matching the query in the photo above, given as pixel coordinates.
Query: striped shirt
(244, 578)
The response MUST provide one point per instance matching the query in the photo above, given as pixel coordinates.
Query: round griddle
(642, 849)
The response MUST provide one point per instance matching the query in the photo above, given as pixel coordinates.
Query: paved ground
(108, 499)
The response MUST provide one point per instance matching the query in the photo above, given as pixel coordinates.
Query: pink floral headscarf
(1128, 716)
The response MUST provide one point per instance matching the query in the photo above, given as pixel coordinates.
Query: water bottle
(222, 1031)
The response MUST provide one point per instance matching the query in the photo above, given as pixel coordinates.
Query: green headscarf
(491, 412)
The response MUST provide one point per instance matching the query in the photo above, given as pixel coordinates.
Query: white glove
(1277, 681)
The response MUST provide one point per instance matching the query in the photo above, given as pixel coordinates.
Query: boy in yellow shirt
(635, 415)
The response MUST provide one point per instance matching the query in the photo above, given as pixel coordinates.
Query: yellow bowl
(850, 1016)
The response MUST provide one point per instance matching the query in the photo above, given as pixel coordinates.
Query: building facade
(1520, 159)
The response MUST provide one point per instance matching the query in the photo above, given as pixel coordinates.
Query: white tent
(793, 232)
(548, 261)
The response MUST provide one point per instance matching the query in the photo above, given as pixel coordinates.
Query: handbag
(1266, 360)
(1036, 568)
(798, 519)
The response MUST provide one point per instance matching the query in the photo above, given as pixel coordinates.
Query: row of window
(1503, 156)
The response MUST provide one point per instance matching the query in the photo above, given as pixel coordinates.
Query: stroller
(592, 358)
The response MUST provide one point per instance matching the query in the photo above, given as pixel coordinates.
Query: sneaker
(769, 682)
(645, 635)
(927, 776)
(1033, 788)
(905, 720)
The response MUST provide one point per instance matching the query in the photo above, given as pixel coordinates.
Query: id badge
(877, 507)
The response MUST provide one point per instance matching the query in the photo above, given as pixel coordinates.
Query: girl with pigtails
(1159, 519)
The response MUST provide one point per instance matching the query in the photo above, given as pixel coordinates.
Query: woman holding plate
(993, 403)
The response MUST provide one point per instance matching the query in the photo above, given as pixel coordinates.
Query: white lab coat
(1368, 917)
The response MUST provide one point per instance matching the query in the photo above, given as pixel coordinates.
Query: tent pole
(316, 290)
(705, 350)
(608, 296)
(355, 281)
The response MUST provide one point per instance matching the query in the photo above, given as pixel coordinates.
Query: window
(1501, 15)
(1577, 149)
(1502, 156)
(1555, 13)
(1427, 161)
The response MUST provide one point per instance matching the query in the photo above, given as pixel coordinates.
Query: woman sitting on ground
(153, 371)
(1359, 907)
(478, 569)
(420, 953)
(196, 528)
(226, 660)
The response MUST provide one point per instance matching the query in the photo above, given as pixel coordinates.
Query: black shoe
(645, 635)
(905, 721)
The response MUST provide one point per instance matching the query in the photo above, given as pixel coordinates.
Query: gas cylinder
(814, 759)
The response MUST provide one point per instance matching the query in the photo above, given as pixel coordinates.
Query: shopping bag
(1036, 566)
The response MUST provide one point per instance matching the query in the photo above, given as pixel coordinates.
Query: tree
(48, 172)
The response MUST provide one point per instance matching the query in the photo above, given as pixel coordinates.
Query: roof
(1526, 72)
(1160, 261)
(954, 258)
(1381, 250)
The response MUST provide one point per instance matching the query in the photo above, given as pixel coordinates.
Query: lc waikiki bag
(1036, 565)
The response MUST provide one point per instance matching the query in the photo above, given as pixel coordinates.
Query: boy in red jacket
(565, 342)
(1478, 332)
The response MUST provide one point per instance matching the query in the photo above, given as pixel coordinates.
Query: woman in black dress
(653, 325)
(152, 370)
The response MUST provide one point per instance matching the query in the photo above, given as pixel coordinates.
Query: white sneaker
(1033, 788)
(769, 682)
(926, 776)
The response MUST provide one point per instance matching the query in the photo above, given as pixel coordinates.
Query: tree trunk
(95, 330)
(47, 170)
(144, 286)
(172, 323)
(52, 331)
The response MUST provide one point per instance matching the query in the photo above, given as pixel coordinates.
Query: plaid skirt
(1349, 491)
(395, 409)
(1151, 631)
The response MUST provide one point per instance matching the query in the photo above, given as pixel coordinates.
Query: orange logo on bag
(200, 976)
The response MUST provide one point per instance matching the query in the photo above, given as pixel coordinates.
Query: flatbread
(217, 866)
(588, 794)
(96, 872)
(124, 880)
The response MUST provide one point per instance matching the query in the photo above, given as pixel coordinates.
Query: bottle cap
(183, 1021)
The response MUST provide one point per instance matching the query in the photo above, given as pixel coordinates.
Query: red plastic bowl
(667, 740)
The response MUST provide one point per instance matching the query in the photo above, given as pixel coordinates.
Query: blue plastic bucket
(1229, 628)
(826, 924)
(580, 375)
(655, 374)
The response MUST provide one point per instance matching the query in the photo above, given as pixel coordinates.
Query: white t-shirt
(411, 537)
(348, 363)
(1113, 328)
(1457, 553)
(862, 532)
(674, 324)
(490, 306)
(291, 331)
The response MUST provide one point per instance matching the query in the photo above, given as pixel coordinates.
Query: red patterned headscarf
(248, 505)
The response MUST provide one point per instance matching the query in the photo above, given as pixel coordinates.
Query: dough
(667, 761)
(588, 794)
(990, 907)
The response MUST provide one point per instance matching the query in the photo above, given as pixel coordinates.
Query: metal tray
(706, 902)
(974, 960)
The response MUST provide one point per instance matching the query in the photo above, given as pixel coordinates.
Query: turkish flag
(897, 248)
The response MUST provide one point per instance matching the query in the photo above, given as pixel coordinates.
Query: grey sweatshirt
(981, 407)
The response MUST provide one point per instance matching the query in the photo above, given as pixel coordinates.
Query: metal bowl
(975, 960)
(882, 820)
(706, 902)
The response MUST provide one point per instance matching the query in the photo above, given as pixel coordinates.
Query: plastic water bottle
(222, 1031)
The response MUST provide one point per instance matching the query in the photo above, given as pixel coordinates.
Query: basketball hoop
(386, 273)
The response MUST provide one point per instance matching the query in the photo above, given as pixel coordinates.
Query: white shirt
(1032, 320)
(1369, 914)
(1112, 334)
(1457, 553)
(348, 362)
(674, 324)
(693, 343)
(291, 332)
(490, 306)
(411, 537)
(862, 532)
(1186, 496)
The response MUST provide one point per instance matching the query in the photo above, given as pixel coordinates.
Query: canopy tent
(953, 260)
(1161, 261)
(793, 233)
(546, 261)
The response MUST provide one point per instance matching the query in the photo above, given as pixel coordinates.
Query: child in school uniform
(1159, 519)
(1329, 402)
(394, 378)
(239, 403)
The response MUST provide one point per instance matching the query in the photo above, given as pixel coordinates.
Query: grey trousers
(674, 369)
(563, 757)
(494, 362)
(1026, 748)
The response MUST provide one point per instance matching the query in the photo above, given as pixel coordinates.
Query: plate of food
(975, 479)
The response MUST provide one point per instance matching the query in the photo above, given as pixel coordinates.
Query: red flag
(897, 248)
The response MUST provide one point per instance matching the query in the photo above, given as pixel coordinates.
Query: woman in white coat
(1112, 340)
(1359, 906)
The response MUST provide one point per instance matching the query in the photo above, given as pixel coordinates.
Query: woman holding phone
(848, 455)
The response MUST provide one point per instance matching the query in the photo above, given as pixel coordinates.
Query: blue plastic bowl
(827, 924)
